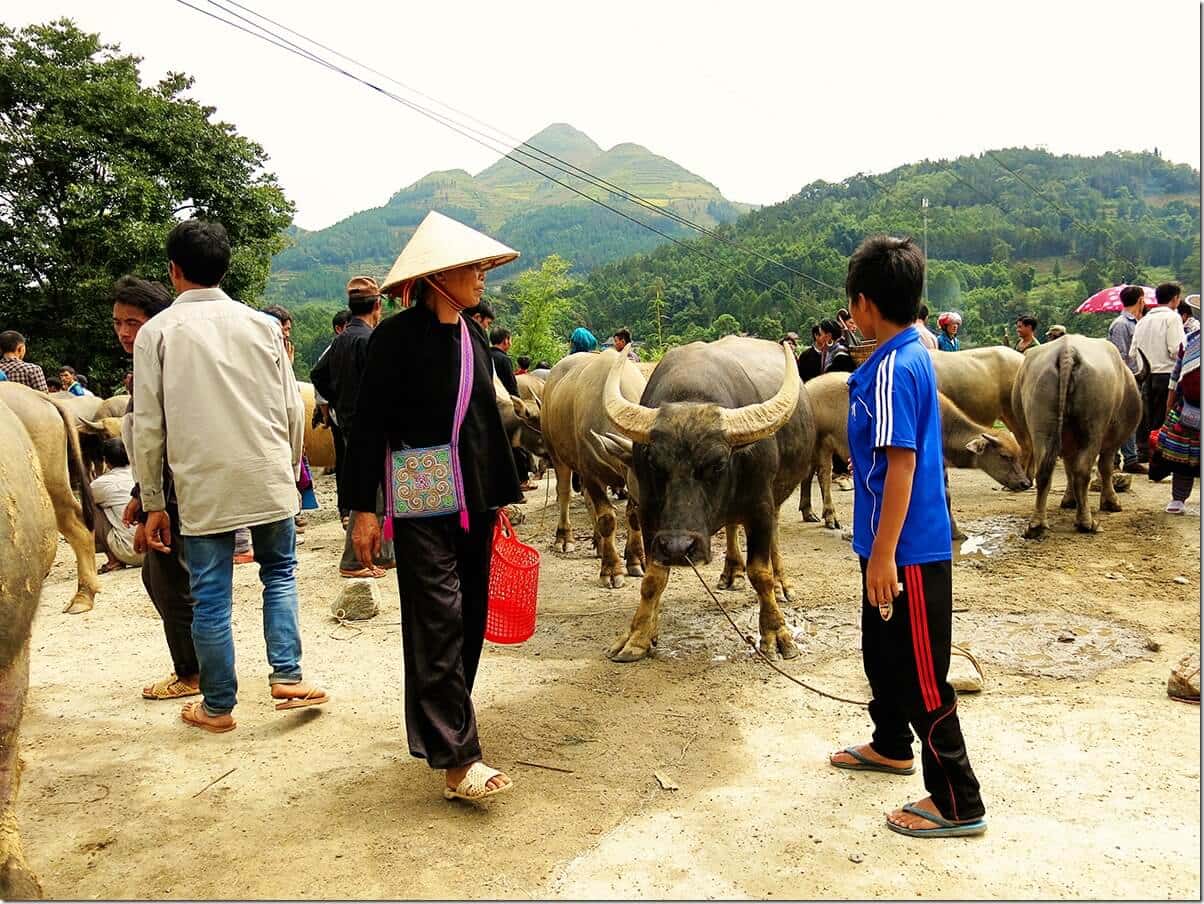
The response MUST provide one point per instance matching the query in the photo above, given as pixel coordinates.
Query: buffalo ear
(979, 444)
(615, 445)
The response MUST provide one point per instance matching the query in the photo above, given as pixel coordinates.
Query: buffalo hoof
(628, 649)
(1034, 532)
(611, 581)
(785, 595)
(1092, 527)
(635, 570)
(832, 524)
(1110, 505)
(809, 517)
(563, 543)
(957, 534)
(779, 642)
(1069, 502)
(80, 603)
(731, 582)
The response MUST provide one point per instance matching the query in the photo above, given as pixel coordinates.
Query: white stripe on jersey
(884, 385)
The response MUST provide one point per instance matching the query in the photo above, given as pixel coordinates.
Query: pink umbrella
(1107, 301)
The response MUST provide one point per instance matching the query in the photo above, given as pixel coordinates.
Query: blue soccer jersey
(892, 402)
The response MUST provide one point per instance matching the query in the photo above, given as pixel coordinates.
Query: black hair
(112, 450)
(1131, 295)
(499, 335)
(624, 334)
(1185, 310)
(1028, 320)
(922, 314)
(1167, 291)
(481, 310)
(889, 273)
(68, 368)
(147, 296)
(280, 312)
(201, 250)
(340, 319)
(524, 362)
(361, 305)
(543, 365)
(842, 315)
(53, 384)
(832, 328)
(814, 331)
(81, 380)
(10, 341)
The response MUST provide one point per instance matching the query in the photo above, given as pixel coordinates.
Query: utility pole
(924, 208)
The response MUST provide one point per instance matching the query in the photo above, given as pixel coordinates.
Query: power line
(263, 33)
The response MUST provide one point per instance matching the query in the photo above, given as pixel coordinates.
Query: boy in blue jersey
(901, 533)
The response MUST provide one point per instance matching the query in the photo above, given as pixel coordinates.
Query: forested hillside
(514, 204)
(1009, 231)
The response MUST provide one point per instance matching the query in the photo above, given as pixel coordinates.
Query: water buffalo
(720, 438)
(52, 430)
(27, 546)
(319, 442)
(966, 445)
(574, 424)
(1075, 397)
(979, 381)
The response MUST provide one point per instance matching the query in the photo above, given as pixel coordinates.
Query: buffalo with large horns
(720, 438)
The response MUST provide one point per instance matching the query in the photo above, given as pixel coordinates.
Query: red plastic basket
(513, 586)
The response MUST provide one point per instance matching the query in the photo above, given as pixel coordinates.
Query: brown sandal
(189, 715)
(373, 572)
(169, 688)
(315, 697)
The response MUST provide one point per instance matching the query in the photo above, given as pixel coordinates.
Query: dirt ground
(1090, 773)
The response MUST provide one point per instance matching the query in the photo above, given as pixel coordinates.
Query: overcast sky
(758, 98)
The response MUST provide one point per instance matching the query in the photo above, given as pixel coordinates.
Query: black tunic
(408, 398)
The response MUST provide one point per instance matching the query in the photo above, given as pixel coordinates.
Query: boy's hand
(881, 579)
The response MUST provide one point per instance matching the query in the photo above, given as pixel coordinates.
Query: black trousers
(340, 450)
(165, 577)
(443, 577)
(522, 464)
(1153, 410)
(907, 663)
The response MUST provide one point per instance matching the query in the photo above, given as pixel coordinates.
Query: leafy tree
(1092, 277)
(543, 306)
(95, 169)
(725, 325)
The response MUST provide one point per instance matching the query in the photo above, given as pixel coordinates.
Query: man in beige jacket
(217, 392)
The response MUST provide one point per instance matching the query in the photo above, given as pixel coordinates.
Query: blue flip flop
(945, 828)
(865, 764)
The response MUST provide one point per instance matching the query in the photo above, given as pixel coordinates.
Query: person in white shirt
(111, 494)
(216, 390)
(1187, 313)
(927, 337)
(1159, 336)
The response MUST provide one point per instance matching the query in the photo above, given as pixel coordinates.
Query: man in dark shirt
(811, 361)
(14, 365)
(336, 377)
(500, 353)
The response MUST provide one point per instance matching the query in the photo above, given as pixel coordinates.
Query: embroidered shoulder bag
(425, 483)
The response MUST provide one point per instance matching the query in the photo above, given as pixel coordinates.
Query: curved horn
(755, 422)
(631, 419)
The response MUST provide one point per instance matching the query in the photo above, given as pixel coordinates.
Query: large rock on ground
(359, 599)
(964, 677)
(1184, 682)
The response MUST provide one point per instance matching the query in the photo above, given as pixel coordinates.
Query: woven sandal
(169, 688)
(474, 785)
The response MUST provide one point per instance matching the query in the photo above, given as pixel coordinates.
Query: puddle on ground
(1057, 645)
(988, 536)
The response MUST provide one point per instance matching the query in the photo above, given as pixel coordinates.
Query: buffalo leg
(780, 578)
(804, 495)
(1108, 502)
(775, 636)
(825, 487)
(611, 574)
(633, 552)
(70, 520)
(1084, 521)
(1038, 524)
(564, 492)
(733, 561)
(955, 532)
(596, 541)
(636, 642)
(16, 878)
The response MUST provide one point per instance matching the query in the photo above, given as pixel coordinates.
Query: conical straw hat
(441, 243)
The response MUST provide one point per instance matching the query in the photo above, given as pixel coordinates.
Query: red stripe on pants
(919, 637)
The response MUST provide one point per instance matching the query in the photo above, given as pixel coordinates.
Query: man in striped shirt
(14, 365)
(901, 532)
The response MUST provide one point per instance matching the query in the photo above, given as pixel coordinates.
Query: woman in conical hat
(410, 398)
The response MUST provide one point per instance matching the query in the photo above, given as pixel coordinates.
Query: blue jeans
(1128, 449)
(211, 566)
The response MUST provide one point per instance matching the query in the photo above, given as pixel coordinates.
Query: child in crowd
(901, 533)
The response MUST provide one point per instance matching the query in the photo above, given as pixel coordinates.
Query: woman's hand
(365, 537)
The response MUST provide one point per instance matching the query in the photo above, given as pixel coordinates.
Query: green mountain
(1008, 232)
(514, 204)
